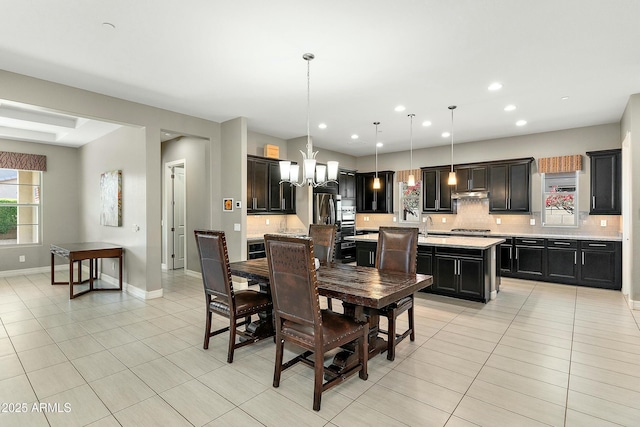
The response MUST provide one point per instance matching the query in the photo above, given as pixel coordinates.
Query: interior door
(178, 217)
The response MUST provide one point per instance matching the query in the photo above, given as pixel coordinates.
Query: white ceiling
(223, 59)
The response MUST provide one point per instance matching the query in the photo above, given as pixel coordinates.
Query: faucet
(427, 219)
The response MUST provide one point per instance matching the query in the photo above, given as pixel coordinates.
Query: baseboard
(164, 267)
(34, 270)
(634, 305)
(192, 273)
(141, 293)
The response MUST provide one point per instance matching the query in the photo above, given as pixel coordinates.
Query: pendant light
(411, 182)
(315, 176)
(376, 180)
(452, 175)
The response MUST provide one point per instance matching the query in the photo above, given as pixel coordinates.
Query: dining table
(362, 290)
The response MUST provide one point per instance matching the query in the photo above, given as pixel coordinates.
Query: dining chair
(324, 245)
(221, 298)
(299, 319)
(397, 250)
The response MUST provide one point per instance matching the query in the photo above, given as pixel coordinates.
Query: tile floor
(540, 354)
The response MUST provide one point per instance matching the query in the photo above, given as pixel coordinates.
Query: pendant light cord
(452, 107)
(309, 147)
(411, 116)
(376, 123)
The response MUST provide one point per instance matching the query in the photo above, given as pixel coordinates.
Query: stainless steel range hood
(457, 195)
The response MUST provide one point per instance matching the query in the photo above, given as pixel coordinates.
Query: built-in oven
(346, 249)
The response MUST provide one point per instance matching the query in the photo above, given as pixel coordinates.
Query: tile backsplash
(257, 224)
(472, 213)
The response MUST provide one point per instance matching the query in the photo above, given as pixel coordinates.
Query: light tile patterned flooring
(540, 354)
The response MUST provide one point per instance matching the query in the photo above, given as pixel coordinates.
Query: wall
(60, 213)
(233, 181)
(83, 103)
(95, 158)
(194, 151)
(256, 142)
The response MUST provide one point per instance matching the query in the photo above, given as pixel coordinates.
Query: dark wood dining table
(361, 289)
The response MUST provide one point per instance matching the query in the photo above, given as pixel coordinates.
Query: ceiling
(222, 59)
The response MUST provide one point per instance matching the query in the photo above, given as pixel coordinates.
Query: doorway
(176, 208)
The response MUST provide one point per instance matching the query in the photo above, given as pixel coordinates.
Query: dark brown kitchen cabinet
(606, 182)
(510, 186)
(366, 254)
(347, 184)
(461, 273)
(506, 257)
(369, 200)
(264, 192)
(257, 185)
(562, 260)
(529, 258)
(601, 264)
(472, 178)
(436, 192)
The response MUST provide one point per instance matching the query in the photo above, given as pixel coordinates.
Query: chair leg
(363, 357)
(232, 339)
(207, 328)
(318, 365)
(412, 336)
(391, 336)
(279, 354)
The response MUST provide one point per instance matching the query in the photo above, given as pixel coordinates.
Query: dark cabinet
(510, 186)
(369, 200)
(506, 257)
(366, 254)
(529, 259)
(601, 264)
(436, 192)
(425, 260)
(606, 182)
(347, 184)
(473, 178)
(264, 192)
(257, 185)
(461, 273)
(562, 260)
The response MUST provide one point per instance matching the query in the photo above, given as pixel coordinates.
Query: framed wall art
(111, 198)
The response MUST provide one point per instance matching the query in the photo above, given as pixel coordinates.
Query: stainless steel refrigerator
(326, 208)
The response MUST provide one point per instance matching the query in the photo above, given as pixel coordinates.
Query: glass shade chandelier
(452, 175)
(411, 182)
(313, 175)
(376, 180)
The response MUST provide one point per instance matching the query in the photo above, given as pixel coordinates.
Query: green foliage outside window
(8, 215)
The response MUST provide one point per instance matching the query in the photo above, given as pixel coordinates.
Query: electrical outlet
(267, 222)
(498, 221)
(22, 258)
(366, 218)
(603, 223)
(236, 227)
(394, 219)
(444, 220)
(532, 221)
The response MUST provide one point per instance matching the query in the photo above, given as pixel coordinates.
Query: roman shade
(403, 176)
(560, 164)
(21, 161)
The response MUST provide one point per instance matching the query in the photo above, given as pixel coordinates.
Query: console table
(78, 252)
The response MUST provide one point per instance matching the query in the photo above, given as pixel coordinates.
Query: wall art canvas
(111, 198)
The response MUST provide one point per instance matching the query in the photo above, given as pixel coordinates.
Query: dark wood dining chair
(299, 319)
(237, 306)
(324, 245)
(397, 250)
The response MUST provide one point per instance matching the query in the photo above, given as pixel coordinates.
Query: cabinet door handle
(562, 243)
(593, 202)
(517, 253)
(510, 254)
(509, 203)
(284, 203)
(597, 245)
(529, 241)
(582, 258)
(575, 258)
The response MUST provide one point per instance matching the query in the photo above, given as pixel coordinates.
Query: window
(20, 195)
(560, 199)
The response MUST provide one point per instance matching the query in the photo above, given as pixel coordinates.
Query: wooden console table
(78, 252)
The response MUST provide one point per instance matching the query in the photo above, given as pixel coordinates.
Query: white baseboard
(34, 270)
(164, 267)
(633, 305)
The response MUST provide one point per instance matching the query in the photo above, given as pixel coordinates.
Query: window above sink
(560, 199)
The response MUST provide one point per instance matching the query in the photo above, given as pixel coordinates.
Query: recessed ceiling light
(400, 108)
(446, 134)
(108, 25)
(379, 144)
(354, 136)
(322, 125)
(564, 98)
(495, 86)
(510, 107)
(521, 122)
(426, 123)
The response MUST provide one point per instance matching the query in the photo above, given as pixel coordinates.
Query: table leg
(90, 273)
(53, 280)
(70, 278)
(120, 270)
(263, 327)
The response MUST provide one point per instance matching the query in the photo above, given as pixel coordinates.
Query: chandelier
(313, 175)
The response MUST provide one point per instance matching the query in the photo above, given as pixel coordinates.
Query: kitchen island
(462, 267)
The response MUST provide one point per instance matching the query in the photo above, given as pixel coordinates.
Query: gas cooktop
(481, 231)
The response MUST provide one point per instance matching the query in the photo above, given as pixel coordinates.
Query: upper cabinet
(369, 200)
(606, 180)
(264, 192)
(436, 192)
(347, 184)
(471, 178)
(510, 186)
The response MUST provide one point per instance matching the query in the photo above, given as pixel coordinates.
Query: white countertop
(617, 238)
(448, 242)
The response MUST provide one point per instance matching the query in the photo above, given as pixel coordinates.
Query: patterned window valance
(21, 161)
(560, 164)
(403, 176)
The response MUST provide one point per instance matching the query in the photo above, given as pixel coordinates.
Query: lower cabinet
(590, 263)
(366, 254)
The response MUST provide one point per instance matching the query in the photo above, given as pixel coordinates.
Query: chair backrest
(292, 278)
(397, 249)
(214, 263)
(324, 241)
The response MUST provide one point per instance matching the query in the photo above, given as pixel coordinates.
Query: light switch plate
(498, 221)
(267, 222)
(236, 227)
(603, 223)
(444, 219)
(394, 219)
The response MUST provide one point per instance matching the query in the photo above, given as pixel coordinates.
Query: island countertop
(442, 241)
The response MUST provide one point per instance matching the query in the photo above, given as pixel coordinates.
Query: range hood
(457, 195)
